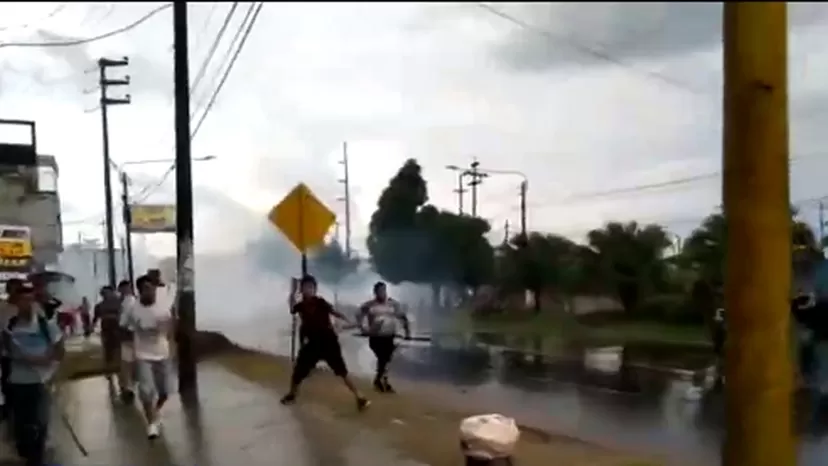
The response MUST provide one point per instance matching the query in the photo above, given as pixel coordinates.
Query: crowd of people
(135, 333)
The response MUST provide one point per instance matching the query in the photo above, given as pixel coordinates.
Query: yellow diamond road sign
(302, 218)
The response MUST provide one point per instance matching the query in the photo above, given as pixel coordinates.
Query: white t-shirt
(149, 327)
(383, 317)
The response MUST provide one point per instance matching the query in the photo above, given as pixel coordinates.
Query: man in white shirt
(382, 315)
(127, 370)
(150, 322)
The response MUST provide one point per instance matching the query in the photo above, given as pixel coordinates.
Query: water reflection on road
(635, 398)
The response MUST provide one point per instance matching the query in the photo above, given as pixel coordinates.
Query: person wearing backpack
(35, 346)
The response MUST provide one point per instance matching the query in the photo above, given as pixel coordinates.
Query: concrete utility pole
(758, 366)
(346, 181)
(476, 179)
(461, 191)
(105, 83)
(524, 187)
(187, 381)
(127, 214)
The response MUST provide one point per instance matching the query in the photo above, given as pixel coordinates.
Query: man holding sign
(318, 341)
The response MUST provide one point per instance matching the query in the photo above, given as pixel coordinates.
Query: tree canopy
(411, 240)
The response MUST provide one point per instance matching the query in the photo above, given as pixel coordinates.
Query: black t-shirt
(315, 314)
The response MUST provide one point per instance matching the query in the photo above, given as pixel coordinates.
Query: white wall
(89, 266)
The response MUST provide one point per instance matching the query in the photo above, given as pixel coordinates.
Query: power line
(69, 43)
(229, 68)
(585, 196)
(213, 47)
(585, 49)
(247, 29)
(149, 189)
(690, 219)
(48, 16)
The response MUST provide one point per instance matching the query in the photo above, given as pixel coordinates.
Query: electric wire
(106, 35)
(247, 29)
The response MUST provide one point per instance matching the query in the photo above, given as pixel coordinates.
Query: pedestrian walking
(8, 311)
(150, 323)
(35, 346)
(86, 318)
(108, 311)
(382, 315)
(319, 342)
(127, 351)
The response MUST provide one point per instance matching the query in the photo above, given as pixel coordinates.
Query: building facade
(29, 197)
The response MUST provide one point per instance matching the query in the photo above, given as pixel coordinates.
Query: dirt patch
(413, 423)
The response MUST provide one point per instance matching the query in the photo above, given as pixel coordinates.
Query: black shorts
(320, 348)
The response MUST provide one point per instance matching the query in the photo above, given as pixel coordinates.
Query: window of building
(47, 179)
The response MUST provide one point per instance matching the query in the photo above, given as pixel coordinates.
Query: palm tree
(627, 260)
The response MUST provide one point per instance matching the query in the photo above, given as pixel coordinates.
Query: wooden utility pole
(187, 382)
(758, 363)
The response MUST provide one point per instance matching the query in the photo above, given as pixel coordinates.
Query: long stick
(64, 418)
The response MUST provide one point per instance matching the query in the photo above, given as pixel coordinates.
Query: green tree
(458, 251)
(412, 241)
(396, 242)
(627, 260)
(541, 263)
(705, 250)
(330, 264)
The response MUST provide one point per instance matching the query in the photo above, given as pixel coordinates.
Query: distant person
(127, 379)
(319, 342)
(811, 329)
(150, 323)
(48, 305)
(108, 311)
(382, 315)
(86, 317)
(35, 347)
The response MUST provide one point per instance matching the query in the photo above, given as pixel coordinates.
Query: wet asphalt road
(599, 394)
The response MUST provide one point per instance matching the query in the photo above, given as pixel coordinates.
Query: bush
(670, 309)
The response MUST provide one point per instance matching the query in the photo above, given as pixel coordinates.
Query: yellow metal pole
(759, 373)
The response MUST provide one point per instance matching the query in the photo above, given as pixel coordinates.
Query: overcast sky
(582, 98)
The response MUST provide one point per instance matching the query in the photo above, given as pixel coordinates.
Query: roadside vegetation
(623, 281)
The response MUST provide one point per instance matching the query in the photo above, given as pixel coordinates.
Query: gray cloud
(557, 34)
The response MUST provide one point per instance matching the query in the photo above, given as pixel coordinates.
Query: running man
(108, 311)
(150, 322)
(382, 314)
(127, 370)
(319, 342)
(35, 346)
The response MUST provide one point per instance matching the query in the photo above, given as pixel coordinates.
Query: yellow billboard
(15, 242)
(152, 218)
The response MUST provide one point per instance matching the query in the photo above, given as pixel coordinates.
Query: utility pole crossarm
(105, 102)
